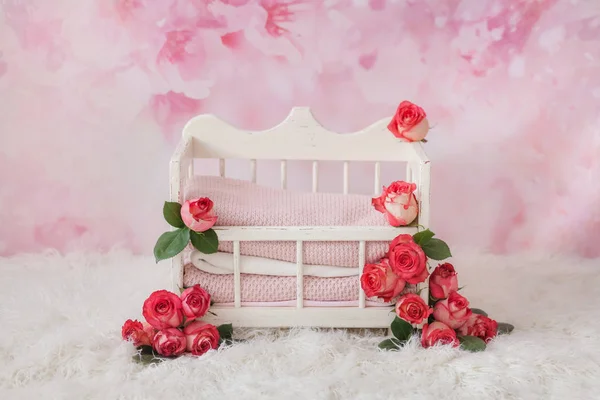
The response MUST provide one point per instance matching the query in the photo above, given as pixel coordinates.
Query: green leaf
(436, 249)
(401, 329)
(423, 237)
(504, 328)
(471, 343)
(172, 214)
(479, 311)
(225, 331)
(169, 244)
(147, 359)
(146, 355)
(146, 350)
(206, 242)
(430, 319)
(391, 344)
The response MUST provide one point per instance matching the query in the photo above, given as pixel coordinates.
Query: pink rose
(409, 122)
(201, 337)
(412, 308)
(169, 342)
(398, 203)
(438, 332)
(136, 332)
(129, 327)
(480, 326)
(407, 259)
(163, 310)
(442, 281)
(198, 214)
(195, 302)
(378, 280)
(453, 311)
(149, 331)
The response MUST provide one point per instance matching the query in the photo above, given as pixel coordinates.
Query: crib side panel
(301, 137)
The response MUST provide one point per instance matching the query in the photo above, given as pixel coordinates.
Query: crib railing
(198, 143)
(238, 234)
(359, 316)
(410, 174)
(315, 174)
(417, 171)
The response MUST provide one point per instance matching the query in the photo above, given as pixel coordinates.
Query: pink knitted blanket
(269, 288)
(243, 203)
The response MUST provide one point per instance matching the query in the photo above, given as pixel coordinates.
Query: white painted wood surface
(377, 181)
(346, 177)
(362, 246)
(283, 174)
(181, 167)
(326, 317)
(315, 176)
(310, 233)
(300, 137)
(253, 171)
(299, 274)
(237, 292)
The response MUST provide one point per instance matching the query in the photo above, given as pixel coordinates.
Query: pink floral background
(94, 93)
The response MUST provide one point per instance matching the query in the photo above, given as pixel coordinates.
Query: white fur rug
(61, 318)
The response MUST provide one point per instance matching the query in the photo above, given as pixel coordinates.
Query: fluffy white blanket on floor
(222, 263)
(61, 318)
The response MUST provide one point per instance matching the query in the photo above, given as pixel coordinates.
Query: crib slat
(346, 176)
(283, 174)
(315, 176)
(222, 167)
(253, 170)
(190, 171)
(299, 275)
(423, 190)
(377, 178)
(409, 173)
(236, 275)
(361, 265)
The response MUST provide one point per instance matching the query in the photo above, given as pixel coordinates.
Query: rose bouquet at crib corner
(173, 326)
(445, 317)
(173, 323)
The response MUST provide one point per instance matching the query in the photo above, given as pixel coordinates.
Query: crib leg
(177, 273)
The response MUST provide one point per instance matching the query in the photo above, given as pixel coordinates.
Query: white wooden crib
(300, 137)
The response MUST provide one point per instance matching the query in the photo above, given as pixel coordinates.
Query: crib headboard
(299, 137)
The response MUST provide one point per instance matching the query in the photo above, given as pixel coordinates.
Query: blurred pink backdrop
(94, 93)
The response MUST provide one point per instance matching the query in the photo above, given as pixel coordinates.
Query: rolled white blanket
(222, 263)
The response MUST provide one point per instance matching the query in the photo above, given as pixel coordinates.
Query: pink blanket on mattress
(243, 203)
(268, 288)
